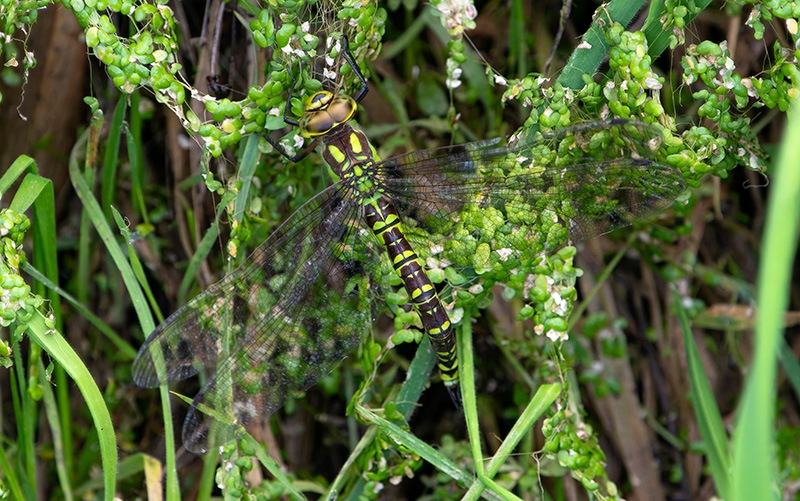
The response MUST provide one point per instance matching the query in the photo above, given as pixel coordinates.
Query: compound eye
(341, 108)
(316, 124)
(319, 100)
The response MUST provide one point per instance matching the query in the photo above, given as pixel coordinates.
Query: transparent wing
(302, 300)
(590, 179)
(271, 328)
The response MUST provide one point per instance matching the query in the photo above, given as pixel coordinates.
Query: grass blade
(58, 348)
(95, 214)
(709, 420)
(754, 473)
(111, 160)
(593, 49)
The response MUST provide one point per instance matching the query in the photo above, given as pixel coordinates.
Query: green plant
(456, 99)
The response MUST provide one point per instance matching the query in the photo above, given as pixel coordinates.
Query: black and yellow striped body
(385, 223)
(303, 299)
(353, 159)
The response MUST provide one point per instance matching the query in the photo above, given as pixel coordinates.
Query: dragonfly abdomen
(382, 218)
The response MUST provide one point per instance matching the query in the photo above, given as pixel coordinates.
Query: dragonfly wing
(593, 178)
(271, 328)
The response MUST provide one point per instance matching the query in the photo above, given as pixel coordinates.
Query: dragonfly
(306, 297)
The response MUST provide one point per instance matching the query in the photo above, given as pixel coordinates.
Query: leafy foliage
(708, 108)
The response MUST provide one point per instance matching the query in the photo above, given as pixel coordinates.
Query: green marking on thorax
(337, 154)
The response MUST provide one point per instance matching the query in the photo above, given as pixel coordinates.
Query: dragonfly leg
(348, 56)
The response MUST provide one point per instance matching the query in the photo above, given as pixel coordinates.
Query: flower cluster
(15, 294)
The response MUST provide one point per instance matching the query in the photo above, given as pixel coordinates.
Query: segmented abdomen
(385, 223)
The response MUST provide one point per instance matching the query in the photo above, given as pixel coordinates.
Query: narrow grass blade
(203, 250)
(593, 48)
(95, 214)
(417, 379)
(37, 192)
(111, 160)
(136, 156)
(10, 476)
(431, 455)
(136, 265)
(541, 401)
(20, 165)
(29, 191)
(271, 465)
(123, 346)
(657, 36)
(60, 350)
(790, 366)
(54, 421)
(754, 473)
(467, 383)
(709, 420)
(246, 170)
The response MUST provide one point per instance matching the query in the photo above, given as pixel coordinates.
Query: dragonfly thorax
(324, 111)
(351, 156)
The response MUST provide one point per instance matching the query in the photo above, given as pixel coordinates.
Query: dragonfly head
(325, 110)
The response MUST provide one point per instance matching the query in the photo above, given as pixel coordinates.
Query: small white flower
(504, 253)
(652, 83)
(556, 336)
(452, 84)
